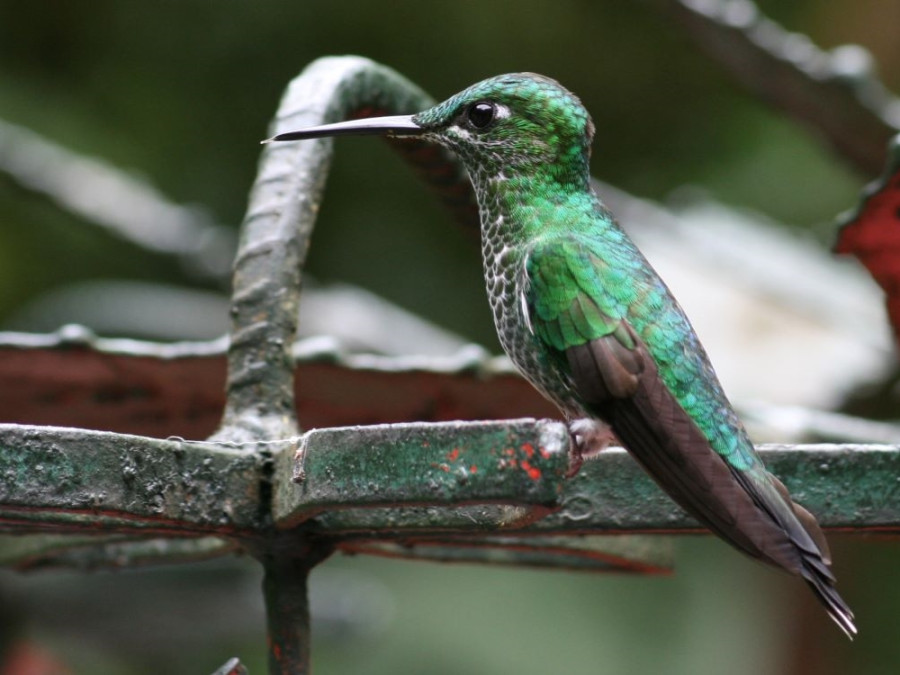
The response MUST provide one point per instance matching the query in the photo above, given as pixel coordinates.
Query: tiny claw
(589, 438)
(575, 462)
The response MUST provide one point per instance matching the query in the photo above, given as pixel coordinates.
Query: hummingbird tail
(834, 604)
(815, 566)
(821, 581)
(750, 509)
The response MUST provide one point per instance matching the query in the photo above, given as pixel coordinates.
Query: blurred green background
(180, 93)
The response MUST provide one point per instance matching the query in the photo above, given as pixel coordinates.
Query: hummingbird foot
(590, 437)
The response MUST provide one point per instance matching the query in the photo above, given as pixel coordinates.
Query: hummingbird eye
(481, 114)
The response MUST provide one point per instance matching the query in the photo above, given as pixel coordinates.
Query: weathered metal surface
(403, 521)
(635, 554)
(72, 378)
(356, 480)
(845, 486)
(518, 462)
(90, 553)
(136, 387)
(848, 487)
(287, 604)
(74, 480)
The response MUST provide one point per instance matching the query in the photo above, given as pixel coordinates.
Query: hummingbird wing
(633, 360)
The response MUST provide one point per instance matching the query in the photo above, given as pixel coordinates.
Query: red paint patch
(473, 469)
(453, 455)
(533, 472)
(528, 449)
(544, 453)
(507, 464)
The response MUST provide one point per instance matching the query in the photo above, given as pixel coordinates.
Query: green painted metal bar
(447, 464)
(72, 480)
(848, 487)
(145, 485)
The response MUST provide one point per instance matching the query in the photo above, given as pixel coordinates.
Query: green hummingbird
(590, 324)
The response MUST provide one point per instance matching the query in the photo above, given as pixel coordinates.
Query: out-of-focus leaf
(872, 232)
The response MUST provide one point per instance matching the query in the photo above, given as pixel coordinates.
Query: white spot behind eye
(501, 112)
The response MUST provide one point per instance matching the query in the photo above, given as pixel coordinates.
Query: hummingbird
(591, 325)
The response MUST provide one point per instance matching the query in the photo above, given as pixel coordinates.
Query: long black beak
(397, 125)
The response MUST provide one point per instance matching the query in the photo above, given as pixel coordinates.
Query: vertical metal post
(287, 604)
(287, 615)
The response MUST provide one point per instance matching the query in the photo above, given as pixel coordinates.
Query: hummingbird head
(508, 125)
(510, 122)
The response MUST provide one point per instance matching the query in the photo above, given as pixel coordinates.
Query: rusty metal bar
(287, 562)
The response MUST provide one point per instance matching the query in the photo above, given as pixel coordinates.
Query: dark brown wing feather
(623, 387)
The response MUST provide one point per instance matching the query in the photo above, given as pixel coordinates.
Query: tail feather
(815, 556)
(823, 587)
(750, 509)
